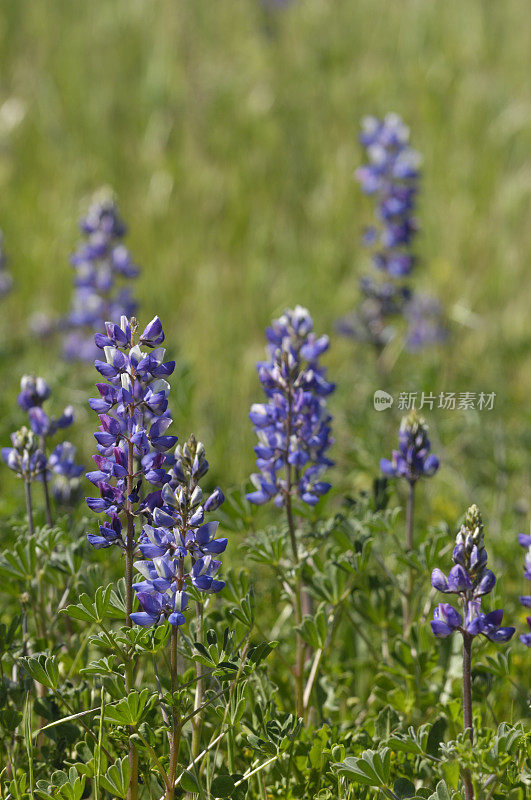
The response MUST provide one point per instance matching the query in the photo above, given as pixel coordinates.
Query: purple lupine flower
(470, 580)
(59, 464)
(179, 548)
(413, 459)
(525, 541)
(25, 457)
(132, 428)
(293, 425)
(102, 263)
(6, 281)
(391, 176)
(67, 473)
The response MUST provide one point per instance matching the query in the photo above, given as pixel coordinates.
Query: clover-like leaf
(88, 611)
(116, 779)
(131, 710)
(42, 669)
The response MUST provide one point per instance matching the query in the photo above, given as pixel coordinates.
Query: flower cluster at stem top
(470, 580)
(101, 265)
(413, 459)
(293, 425)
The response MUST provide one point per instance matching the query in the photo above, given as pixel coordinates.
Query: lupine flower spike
(131, 443)
(179, 547)
(411, 461)
(293, 429)
(293, 425)
(470, 580)
(102, 265)
(28, 461)
(391, 176)
(60, 463)
(180, 550)
(525, 541)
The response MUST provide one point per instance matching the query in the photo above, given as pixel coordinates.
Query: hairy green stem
(176, 721)
(408, 597)
(29, 507)
(132, 792)
(410, 508)
(297, 607)
(46, 489)
(198, 700)
(467, 706)
(297, 603)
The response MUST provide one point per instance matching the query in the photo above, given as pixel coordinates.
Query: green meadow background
(228, 130)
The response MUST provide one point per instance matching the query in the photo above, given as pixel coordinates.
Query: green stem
(297, 604)
(198, 700)
(47, 504)
(467, 707)
(132, 792)
(230, 751)
(297, 607)
(410, 508)
(162, 772)
(408, 597)
(29, 507)
(176, 721)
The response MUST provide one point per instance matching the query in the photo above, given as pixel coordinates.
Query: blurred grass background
(229, 132)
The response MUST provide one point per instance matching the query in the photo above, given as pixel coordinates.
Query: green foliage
(116, 779)
(68, 785)
(131, 710)
(42, 669)
(91, 611)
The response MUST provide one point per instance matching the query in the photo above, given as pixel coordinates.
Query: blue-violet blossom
(413, 459)
(60, 462)
(179, 548)
(525, 541)
(391, 176)
(470, 580)
(101, 264)
(131, 439)
(293, 425)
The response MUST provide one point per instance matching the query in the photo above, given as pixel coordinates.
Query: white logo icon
(382, 400)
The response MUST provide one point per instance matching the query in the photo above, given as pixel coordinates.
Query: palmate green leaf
(101, 666)
(131, 709)
(67, 785)
(372, 769)
(424, 741)
(203, 656)
(116, 779)
(244, 612)
(257, 654)
(117, 606)
(20, 562)
(88, 611)
(42, 669)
